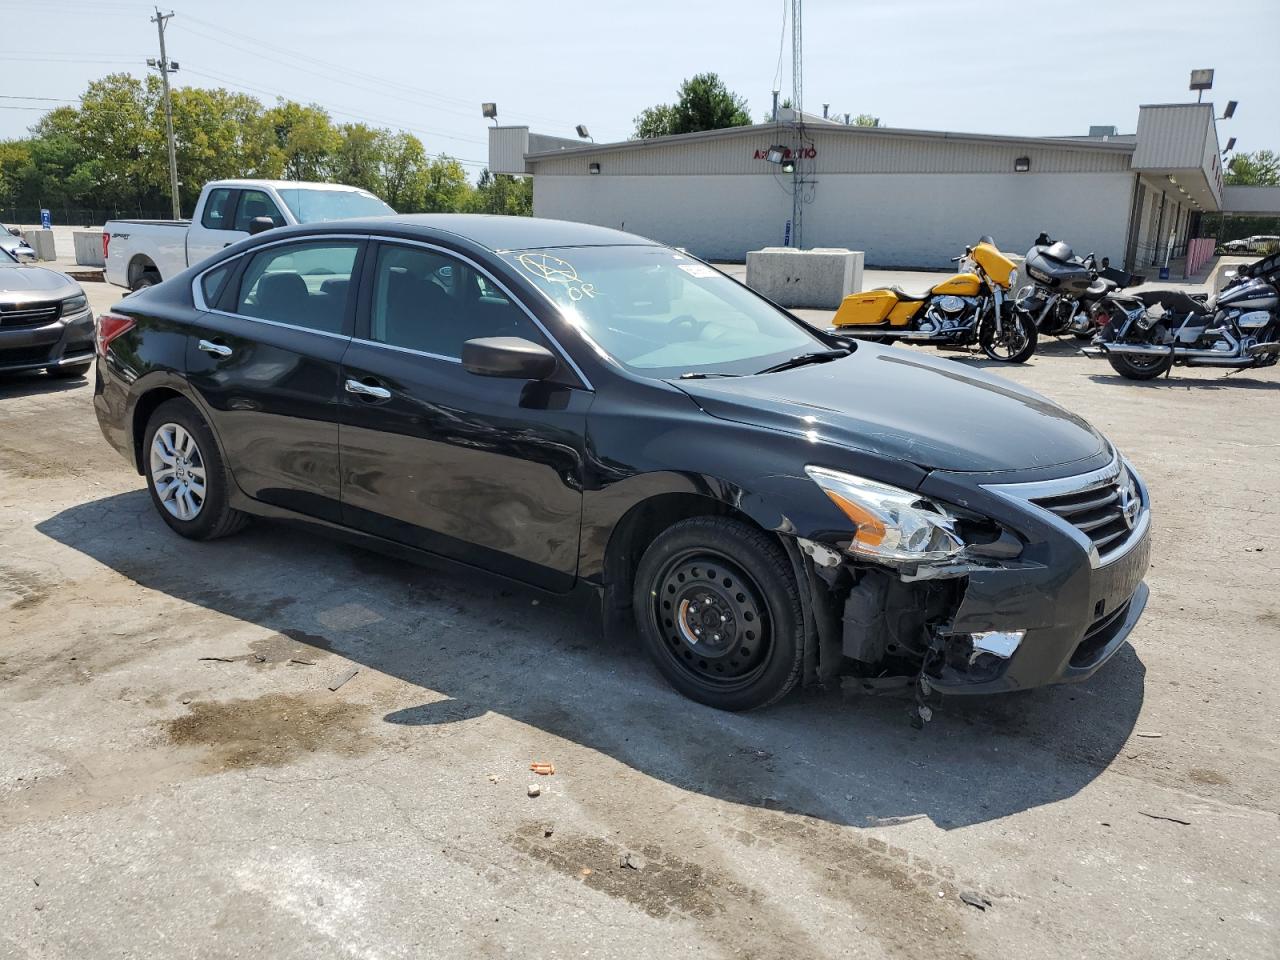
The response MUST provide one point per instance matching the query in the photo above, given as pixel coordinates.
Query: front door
(266, 362)
(482, 469)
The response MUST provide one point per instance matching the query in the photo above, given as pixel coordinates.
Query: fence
(1199, 252)
(79, 216)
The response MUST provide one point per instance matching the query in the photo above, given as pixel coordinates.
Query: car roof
(498, 233)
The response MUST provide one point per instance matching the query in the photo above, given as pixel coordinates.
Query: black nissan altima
(571, 406)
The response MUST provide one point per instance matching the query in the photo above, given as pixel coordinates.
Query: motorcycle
(1145, 335)
(965, 309)
(1064, 289)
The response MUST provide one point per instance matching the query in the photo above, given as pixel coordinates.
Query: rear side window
(254, 204)
(217, 210)
(214, 282)
(301, 284)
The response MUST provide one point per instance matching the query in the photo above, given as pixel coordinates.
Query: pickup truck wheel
(719, 612)
(188, 481)
(148, 279)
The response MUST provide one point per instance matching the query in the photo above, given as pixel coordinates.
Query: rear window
(217, 210)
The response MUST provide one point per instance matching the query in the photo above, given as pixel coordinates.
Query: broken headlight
(891, 525)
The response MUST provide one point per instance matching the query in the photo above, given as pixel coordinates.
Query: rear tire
(189, 483)
(148, 279)
(1018, 343)
(1139, 369)
(69, 373)
(718, 610)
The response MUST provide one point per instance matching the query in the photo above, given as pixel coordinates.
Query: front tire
(1016, 344)
(718, 610)
(189, 483)
(1139, 368)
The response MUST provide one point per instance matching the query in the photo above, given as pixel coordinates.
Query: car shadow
(36, 382)
(486, 645)
(1173, 382)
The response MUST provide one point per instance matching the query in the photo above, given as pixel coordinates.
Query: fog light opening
(1000, 643)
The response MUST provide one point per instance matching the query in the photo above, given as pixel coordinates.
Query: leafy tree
(865, 120)
(357, 158)
(702, 103)
(1259, 169)
(503, 194)
(445, 188)
(305, 137)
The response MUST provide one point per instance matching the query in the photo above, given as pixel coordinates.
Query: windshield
(312, 206)
(661, 313)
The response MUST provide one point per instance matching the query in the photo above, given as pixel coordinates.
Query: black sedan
(572, 406)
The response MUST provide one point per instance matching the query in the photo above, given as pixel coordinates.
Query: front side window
(301, 284)
(661, 313)
(433, 303)
(254, 204)
(310, 205)
(217, 210)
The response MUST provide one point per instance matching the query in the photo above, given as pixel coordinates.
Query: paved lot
(177, 778)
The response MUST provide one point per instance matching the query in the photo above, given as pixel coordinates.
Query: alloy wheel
(178, 471)
(712, 619)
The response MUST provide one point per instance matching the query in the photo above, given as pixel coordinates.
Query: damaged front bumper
(1055, 613)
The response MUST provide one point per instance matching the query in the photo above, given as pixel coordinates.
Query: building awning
(1251, 201)
(1178, 143)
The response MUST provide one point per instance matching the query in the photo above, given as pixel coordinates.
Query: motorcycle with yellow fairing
(971, 307)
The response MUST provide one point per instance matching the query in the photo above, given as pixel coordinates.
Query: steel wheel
(714, 623)
(178, 471)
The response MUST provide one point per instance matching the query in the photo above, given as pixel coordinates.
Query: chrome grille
(29, 314)
(1097, 511)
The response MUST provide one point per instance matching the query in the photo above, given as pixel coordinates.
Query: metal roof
(782, 130)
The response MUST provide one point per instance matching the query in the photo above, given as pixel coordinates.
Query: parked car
(13, 243)
(1254, 244)
(142, 253)
(572, 406)
(45, 320)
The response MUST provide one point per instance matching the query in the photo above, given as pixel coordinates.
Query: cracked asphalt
(177, 778)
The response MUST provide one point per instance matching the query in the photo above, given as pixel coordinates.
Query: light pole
(166, 67)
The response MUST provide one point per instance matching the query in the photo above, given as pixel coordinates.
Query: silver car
(12, 243)
(45, 320)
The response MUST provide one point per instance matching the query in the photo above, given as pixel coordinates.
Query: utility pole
(166, 67)
(797, 102)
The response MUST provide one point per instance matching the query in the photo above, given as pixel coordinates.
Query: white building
(908, 198)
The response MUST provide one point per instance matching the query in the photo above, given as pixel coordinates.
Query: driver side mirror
(259, 224)
(511, 357)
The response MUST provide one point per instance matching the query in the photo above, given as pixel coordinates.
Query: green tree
(305, 137)
(357, 158)
(445, 188)
(502, 193)
(217, 136)
(865, 120)
(1258, 169)
(702, 103)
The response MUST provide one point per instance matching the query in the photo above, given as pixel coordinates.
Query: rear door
(214, 230)
(481, 469)
(267, 363)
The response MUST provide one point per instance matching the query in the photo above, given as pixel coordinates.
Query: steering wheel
(686, 320)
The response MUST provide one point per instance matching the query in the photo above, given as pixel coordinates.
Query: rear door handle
(217, 349)
(365, 390)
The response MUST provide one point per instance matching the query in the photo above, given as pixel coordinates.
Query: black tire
(215, 517)
(71, 372)
(148, 279)
(741, 578)
(1139, 368)
(1018, 343)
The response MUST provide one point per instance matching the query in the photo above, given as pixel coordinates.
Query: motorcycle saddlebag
(874, 307)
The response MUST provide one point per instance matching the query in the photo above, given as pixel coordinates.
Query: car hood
(19, 284)
(937, 414)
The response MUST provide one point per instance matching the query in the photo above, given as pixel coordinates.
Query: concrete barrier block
(818, 278)
(88, 244)
(42, 242)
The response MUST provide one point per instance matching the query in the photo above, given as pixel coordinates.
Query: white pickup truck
(140, 253)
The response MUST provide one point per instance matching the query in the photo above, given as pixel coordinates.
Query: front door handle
(365, 390)
(217, 349)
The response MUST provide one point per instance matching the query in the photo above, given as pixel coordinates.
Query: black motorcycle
(1065, 289)
(1143, 336)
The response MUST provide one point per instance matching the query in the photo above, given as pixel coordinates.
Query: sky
(1000, 67)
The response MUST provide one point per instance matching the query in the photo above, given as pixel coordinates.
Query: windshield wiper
(697, 375)
(804, 359)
